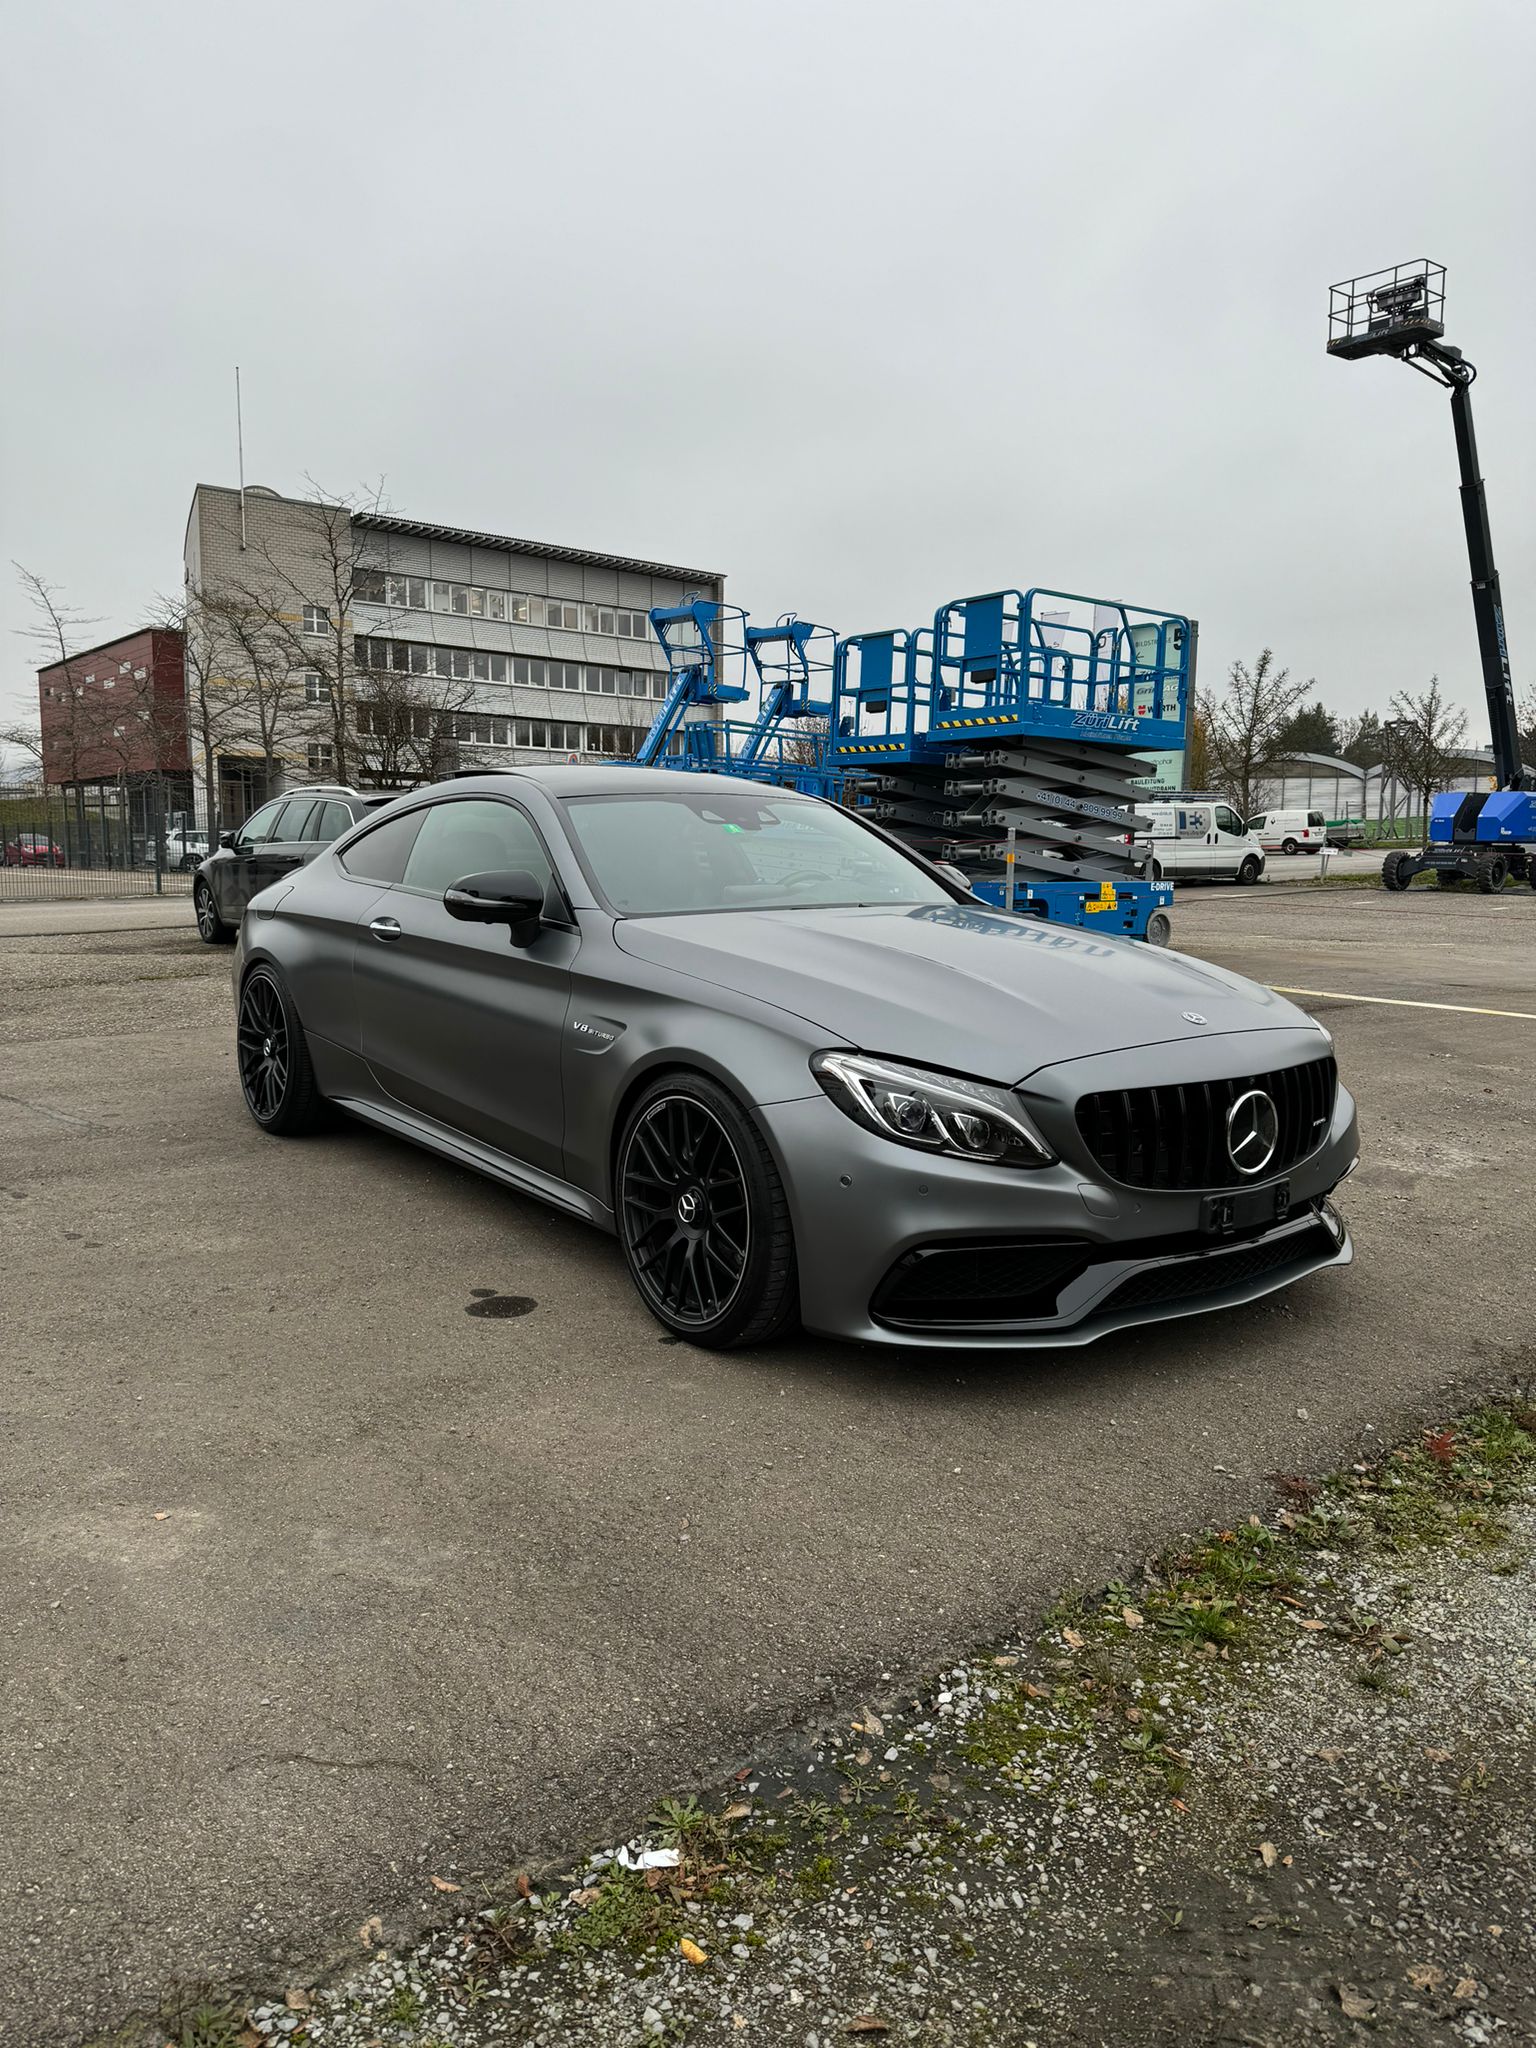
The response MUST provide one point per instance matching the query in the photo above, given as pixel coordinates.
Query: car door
(234, 880)
(1228, 840)
(288, 845)
(1194, 846)
(457, 1022)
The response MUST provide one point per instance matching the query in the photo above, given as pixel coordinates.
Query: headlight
(932, 1112)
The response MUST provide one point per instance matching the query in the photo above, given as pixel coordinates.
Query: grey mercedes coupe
(799, 1072)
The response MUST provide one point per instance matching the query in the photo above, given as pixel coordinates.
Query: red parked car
(33, 850)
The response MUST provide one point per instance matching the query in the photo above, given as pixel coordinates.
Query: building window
(612, 739)
(476, 601)
(317, 620)
(314, 687)
(322, 757)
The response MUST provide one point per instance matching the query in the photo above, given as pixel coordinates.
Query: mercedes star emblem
(1253, 1132)
(1194, 1017)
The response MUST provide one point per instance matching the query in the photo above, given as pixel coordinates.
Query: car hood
(970, 990)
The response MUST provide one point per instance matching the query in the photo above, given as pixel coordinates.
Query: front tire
(1397, 871)
(1159, 929)
(1248, 873)
(276, 1077)
(211, 928)
(1492, 872)
(702, 1217)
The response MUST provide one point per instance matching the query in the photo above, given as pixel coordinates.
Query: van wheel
(1289, 846)
(1157, 871)
(1248, 873)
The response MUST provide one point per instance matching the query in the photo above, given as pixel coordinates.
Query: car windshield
(654, 854)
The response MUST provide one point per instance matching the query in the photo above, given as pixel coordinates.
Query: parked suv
(282, 835)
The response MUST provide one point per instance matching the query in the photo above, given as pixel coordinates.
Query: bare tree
(383, 711)
(26, 740)
(1527, 716)
(1427, 741)
(1245, 729)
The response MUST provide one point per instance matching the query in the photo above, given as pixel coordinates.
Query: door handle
(384, 927)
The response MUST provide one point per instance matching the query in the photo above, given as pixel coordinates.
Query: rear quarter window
(381, 855)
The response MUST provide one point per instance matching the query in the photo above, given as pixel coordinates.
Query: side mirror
(226, 839)
(511, 898)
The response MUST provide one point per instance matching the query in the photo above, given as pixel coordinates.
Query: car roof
(601, 780)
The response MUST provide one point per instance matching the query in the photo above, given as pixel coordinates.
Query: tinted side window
(1316, 818)
(1228, 821)
(473, 836)
(333, 821)
(258, 827)
(381, 855)
(295, 816)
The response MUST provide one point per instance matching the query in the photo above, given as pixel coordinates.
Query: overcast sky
(867, 304)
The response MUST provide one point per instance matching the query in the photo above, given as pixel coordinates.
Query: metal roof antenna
(240, 452)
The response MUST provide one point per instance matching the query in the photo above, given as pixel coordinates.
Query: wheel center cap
(690, 1206)
(266, 1048)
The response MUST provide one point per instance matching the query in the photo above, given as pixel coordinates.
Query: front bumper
(861, 1203)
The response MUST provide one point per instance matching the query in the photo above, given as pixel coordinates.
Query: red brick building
(116, 713)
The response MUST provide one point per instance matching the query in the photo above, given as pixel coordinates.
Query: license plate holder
(1245, 1209)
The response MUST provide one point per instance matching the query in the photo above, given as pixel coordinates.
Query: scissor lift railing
(1008, 663)
(707, 663)
(883, 699)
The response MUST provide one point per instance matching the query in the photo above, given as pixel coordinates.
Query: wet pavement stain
(501, 1306)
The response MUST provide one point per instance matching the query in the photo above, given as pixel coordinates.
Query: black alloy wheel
(211, 928)
(702, 1216)
(276, 1077)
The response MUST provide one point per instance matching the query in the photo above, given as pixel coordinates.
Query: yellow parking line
(1333, 995)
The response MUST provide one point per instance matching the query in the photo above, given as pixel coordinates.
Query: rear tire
(1248, 873)
(276, 1077)
(702, 1217)
(211, 928)
(1397, 871)
(1492, 873)
(1159, 930)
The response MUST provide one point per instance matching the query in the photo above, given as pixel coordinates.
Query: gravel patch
(1278, 1789)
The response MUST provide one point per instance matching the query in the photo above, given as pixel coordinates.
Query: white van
(1290, 831)
(1199, 836)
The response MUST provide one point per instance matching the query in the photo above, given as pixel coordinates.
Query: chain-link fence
(140, 838)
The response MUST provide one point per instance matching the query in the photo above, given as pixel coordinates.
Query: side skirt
(466, 1151)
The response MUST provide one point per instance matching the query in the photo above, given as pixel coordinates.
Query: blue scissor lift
(715, 657)
(1008, 742)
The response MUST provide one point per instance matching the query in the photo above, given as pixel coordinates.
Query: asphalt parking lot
(315, 1581)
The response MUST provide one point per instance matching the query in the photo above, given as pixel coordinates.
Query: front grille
(1220, 1269)
(980, 1283)
(1175, 1136)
